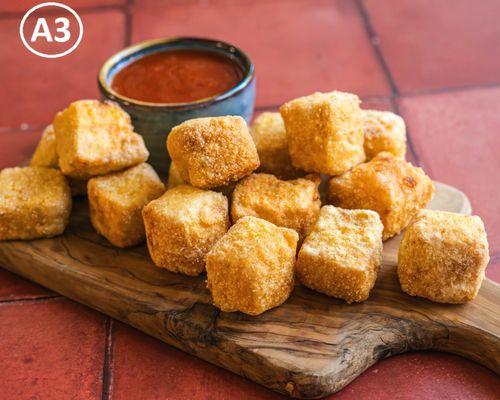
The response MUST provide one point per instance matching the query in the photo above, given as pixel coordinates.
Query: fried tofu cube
(341, 256)
(443, 257)
(96, 138)
(384, 131)
(116, 202)
(174, 178)
(35, 202)
(212, 152)
(251, 268)
(269, 135)
(393, 188)
(45, 154)
(324, 132)
(183, 225)
(291, 204)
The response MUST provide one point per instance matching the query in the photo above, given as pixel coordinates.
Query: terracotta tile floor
(434, 61)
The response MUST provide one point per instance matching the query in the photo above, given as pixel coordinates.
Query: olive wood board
(309, 347)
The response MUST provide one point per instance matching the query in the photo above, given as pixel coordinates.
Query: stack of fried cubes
(244, 204)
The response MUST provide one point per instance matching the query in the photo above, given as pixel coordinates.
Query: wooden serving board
(310, 347)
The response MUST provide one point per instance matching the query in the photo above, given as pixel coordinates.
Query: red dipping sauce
(177, 76)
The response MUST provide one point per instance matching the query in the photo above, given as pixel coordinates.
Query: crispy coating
(212, 152)
(45, 154)
(269, 135)
(393, 188)
(341, 257)
(183, 225)
(324, 132)
(174, 178)
(95, 138)
(251, 268)
(443, 256)
(291, 204)
(116, 201)
(384, 131)
(35, 202)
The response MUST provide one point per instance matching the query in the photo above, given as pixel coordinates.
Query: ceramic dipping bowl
(155, 120)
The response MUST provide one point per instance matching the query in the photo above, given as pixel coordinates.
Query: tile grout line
(372, 36)
(450, 89)
(107, 366)
(128, 22)
(409, 139)
(395, 93)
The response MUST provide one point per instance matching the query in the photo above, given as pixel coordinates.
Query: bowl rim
(138, 47)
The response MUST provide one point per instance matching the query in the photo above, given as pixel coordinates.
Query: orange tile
(34, 88)
(298, 46)
(52, 349)
(425, 376)
(17, 146)
(493, 270)
(456, 138)
(431, 44)
(145, 368)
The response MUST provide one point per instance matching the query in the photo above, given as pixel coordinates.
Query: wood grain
(310, 347)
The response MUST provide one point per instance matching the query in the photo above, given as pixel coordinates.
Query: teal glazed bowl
(155, 120)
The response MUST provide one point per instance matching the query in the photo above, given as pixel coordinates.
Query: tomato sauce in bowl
(177, 76)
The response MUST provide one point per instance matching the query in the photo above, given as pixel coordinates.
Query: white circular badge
(41, 30)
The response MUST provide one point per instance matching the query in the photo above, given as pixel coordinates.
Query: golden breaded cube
(183, 225)
(212, 152)
(96, 138)
(116, 202)
(291, 204)
(174, 178)
(45, 154)
(251, 269)
(269, 135)
(324, 132)
(35, 202)
(443, 256)
(393, 188)
(384, 131)
(341, 257)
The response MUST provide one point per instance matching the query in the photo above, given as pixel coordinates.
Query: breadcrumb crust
(291, 204)
(116, 201)
(443, 257)
(269, 135)
(96, 138)
(341, 256)
(183, 225)
(35, 202)
(384, 131)
(393, 188)
(251, 268)
(324, 132)
(212, 152)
